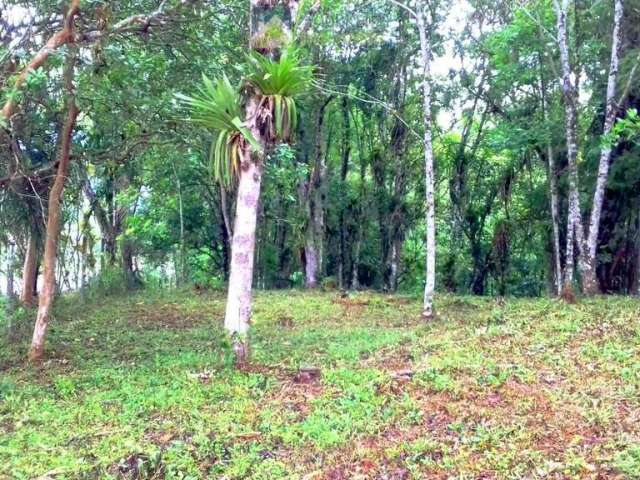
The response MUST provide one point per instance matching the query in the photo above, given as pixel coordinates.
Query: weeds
(142, 387)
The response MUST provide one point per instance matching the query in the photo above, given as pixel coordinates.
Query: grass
(143, 387)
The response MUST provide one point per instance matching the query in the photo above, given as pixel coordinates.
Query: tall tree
(270, 31)
(587, 245)
(426, 52)
(54, 213)
(575, 229)
(590, 281)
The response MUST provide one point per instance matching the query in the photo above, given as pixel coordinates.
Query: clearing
(142, 387)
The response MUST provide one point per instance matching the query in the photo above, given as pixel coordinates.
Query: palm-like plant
(278, 83)
(218, 107)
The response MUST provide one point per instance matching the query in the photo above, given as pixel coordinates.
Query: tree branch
(56, 41)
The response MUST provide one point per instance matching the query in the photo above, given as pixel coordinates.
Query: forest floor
(141, 387)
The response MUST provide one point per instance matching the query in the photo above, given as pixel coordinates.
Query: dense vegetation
(341, 158)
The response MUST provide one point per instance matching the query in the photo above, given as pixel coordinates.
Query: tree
(425, 50)
(575, 228)
(273, 78)
(590, 282)
(52, 234)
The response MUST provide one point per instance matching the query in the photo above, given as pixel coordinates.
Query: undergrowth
(142, 386)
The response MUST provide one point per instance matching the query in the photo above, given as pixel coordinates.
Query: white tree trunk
(11, 248)
(553, 190)
(181, 269)
(555, 219)
(590, 283)
(355, 279)
(238, 311)
(425, 50)
(575, 229)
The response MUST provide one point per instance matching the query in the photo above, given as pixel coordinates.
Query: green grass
(143, 387)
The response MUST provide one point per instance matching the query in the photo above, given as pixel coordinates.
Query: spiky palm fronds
(278, 82)
(217, 106)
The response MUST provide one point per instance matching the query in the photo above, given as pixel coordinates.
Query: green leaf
(247, 134)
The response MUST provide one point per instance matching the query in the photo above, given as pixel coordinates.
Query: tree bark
(131, 278)
(54, 213)
(430, 272)
(57, 40)
(355, 278)
(344, 170)
(589, 279)
(555, 219)
(182, 267)
(575, 228)
(313, 197)
(238, 311)
(109, 220)
(239, 297)
(30, 272)
(11, 248)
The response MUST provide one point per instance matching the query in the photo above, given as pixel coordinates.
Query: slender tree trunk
(30, 272)
(10, 268)
(183, 251)
(553, 191)
(314, 201)
(355, 279)
(575, 228)
(344, 170)
(425, 49)
(238, 312)
(589, 279)
(54, 212)
(555, 219)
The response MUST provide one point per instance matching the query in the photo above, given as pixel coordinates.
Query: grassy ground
(141, 387)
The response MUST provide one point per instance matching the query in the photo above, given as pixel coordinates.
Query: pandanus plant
(218, 107)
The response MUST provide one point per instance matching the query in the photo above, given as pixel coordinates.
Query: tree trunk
(394, 263)
(238, 311)
(355, 279)
(344, 170)
(589, 279)
(313, 195)
(553, 191)
(430, 273)
(30, 272)
(109, 222)
(555, 219)
(182, 266)
(128, 267)
(226, 232)
(54, 212)
(575, 228)
(10, 268)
